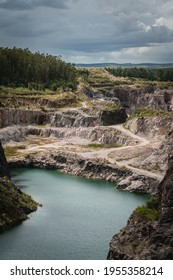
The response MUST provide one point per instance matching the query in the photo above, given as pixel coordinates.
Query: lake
(77, 221)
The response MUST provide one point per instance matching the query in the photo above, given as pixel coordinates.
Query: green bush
(152, 203)
(147, 213)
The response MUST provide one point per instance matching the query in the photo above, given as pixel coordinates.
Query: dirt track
(140, 142)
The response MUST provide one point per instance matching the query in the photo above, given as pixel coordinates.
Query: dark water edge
(77, 221)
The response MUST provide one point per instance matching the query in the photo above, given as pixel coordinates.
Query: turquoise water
(77, 220)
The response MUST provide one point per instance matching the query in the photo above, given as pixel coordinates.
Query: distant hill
(126, 65)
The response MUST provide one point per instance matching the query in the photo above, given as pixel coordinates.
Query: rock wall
(69, 118)
(13, 133)
(150, 96)
(150, 126)
(145, 238)
(14, 205)
(9, 117)
(96, 169)
(158, 158)
(99, 134)
(3, 164)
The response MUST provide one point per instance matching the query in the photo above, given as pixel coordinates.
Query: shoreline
(77, 165)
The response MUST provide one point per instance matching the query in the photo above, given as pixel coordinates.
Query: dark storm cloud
(136, 38)
(31, 4)
(86, 28)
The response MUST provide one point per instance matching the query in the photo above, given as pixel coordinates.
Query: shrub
(149, 211)
(152, 203)
(123, 168)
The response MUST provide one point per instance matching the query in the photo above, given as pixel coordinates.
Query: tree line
(22, 68)
(143, 73)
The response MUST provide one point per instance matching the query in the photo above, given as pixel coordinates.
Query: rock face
(73, 164)
(150, 126)
(138, 183)
(145, 238)
(69, 118)
(3, 164)
(111, 117)
(100, 134)
(157, 160)
(12, 116)
(95, 168)
(151, 96)
(14, 205)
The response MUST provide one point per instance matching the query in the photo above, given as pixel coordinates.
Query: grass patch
(123, 158)
(150, 113)
(95, 145)
(11, 97)
(123, 168)
(21, 91)
(112, 107)
(149, 211)
(11, 151)
(99, 145)
(133, 244)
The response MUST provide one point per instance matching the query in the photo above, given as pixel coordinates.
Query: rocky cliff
(3, 164)
(151, 96)
(90, 168)
(150, 126)
(67, 118)
(131, 94)
(149, 231)
(99, 134)
(14, 205)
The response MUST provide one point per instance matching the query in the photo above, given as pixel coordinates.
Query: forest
(163, 75)
(22, 68)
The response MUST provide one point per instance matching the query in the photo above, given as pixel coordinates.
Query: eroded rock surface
(67, 118)
(89, 168)
(14, 205)
(144, 238)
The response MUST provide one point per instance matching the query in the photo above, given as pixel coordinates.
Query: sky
(91, 31)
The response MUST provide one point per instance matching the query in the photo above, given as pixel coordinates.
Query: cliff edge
(14, 204)
(149, 231)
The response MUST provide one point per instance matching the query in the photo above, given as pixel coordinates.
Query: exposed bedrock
(14, 205)
(4, 172)
(68, 118)
(150, 96)
(100, 134)
(9, 117)
(96, 169)
(144, 237)
(151, 127)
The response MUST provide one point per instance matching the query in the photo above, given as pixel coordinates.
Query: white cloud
(144, 27)
(161, 21)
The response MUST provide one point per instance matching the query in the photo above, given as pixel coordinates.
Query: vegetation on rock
(149, 113)
(14, 204)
